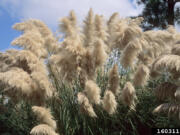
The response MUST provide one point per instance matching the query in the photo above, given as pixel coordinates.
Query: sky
(50, 11)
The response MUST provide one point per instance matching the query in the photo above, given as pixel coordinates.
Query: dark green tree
(159, 13)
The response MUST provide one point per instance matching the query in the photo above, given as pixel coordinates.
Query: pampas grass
(129, 95)
(171, 62)
(113, 81)
(141, 76)
(86, 107)
(130, 53)
(89, 29)
(93, 92)
(42, 129)
(44, 116)
(109, 102)
(44, 67)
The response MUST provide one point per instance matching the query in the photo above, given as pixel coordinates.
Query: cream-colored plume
(126, 32)
(109, 102)
(129, 95)
(113, 82)
(69, 57)
(141, 76)
(42, 129)
(112, 22)
(171, 62)
(89, 29)
(44, 116)
(86, 107)
(17, 79)
(130, 53)
(37, 34)
(100, 29)
(24, 26)
(33, 80)
(111, 25)
(93, 92)
(99, 53)
(88, 66)
(33, 42)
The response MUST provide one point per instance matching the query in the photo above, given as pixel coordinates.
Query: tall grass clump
(77, 85)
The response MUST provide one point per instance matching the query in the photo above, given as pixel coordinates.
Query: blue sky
(7, 34)
(50, 11)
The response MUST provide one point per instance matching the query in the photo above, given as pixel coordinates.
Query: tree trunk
(171, 4)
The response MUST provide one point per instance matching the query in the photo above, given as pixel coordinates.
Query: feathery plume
(33, 68)
(111, 25)
(42, 27)
(66, 27)
(71, 53)
(73, 18)
(113, 19)
(141, 76)
(109, 102)
(18, 81)
(93, 92)
(99, 53)
(24, 26)
(100, 29)
(129, 95)
(33, 42)
(126, 33)
(42, 129)
(89, 29)
(130, 53)
(86, 107)
(88, 65)
(44, 116)
(35, 31)
(113, 81)
(170, 61)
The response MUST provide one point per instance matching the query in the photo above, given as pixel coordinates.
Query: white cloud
(51, 10)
